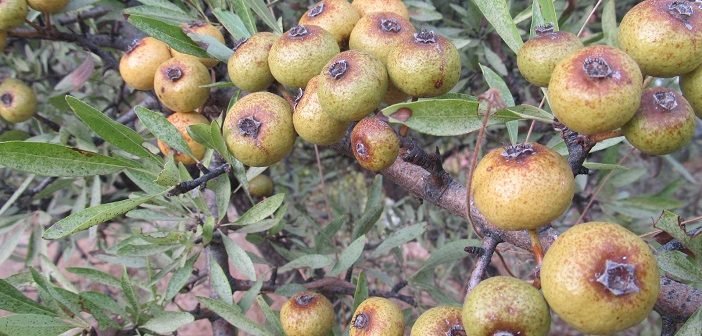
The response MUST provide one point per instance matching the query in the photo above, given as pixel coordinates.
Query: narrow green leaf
(168, 322)
(212, 46)
(272, 321)
(609, 23)
(398, 238)
(449, 252)
(670, 223)
(693, 325)
(250, 295)
(494, 81)
(239, 258)
(163, 4)
(261, 210)
(259, 7)
(47, 159)
(361, 292)
(130, 293)
(266, 224)
(233, 315)
(220, 282)
(105, 302)
(678, 266)
(323, 239)
(349, 256)
(33, 324)
(367, 220)
(201, 134)
(497, 13)
(169, 176)
(243, 11)
(163, 129)
(223, 192)
(312, 261)
(169, 34)
(14, 301)
(95, 275)
(161, 14)
(10, 243)
(179, 279)
(89, 217)
(233, 23)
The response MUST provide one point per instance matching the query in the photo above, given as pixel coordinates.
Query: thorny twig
(183, 187)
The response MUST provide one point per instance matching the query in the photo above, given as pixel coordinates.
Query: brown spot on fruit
(360, 321)
(597, 68)
(298, 31)
(6, 99)
(249, 126)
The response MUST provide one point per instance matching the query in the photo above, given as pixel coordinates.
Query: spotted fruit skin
(664, 45)
(538, 57)
(297, 57)
(522, 193)
(18, 102)
(366, 7)
(139, 64)
(12, 13)
(691, 86)
(592, 105)
(379, 32)
(577, 259)
(657, 130)
(424, 69)
(508, 305)
(261, 186)
(380, 316)
(439, 321)
(311, 123)
(307, 318)
(248, 66)
(185, 92)
(48, 6)
(337, 17)
(200, 28)
(374, 144)
(357, 91)
(273, 137)
(181, 120)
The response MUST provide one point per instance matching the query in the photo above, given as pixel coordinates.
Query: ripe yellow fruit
(374, 144)
(596, 89)
(200, 28)
(600, 278)
(48, 6)
(17, 101)
(179, 84)
(300, 54)
(538, 57)
(366, 7)
(439, 321)
(311, 123)
(691, 86)
(12, 13)
(337, 17)
(248, 66)
(377, 316)
(181, 120)
(139, 64)
(307, 314)
(522, 187)
(378, 33)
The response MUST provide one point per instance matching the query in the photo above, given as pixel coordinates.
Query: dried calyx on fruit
(307, 314)
(180, 84)
(337, 17)
(248, 66)
(377, 316)
(300, 54)
(538, 57)
(374, 144)
(140, 62)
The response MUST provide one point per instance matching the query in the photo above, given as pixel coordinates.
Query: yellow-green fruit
(377, 316)
(300, 54)
(178, 84)
(248, 66)
(378, 33)
(313, 124)
(664, 123)
(337, 17)
(424, 65)
(307, 314)
(374, 144)
(258, 129)
(352, 85)
(181, 120)
(439, 321)
(600, 278)
(691, 86)
(522, 187)
(663, 36)
(3, 40)
(505, 306)
(366, 7)
(200, 28)
(17, 101)
(596, 89)
(261, 186)
(538, 56)
(48, 6)
(139, 64)
(12, 13)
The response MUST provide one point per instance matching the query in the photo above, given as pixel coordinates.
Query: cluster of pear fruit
(348, 57)
(13, 13)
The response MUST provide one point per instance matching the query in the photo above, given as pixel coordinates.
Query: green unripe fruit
(600, 278)
(258, 129)
(367, 7)
(200, 28)
(663, 36)
(353, 84)
(540, 189)
(181, 120)
(300, 54)
(139, 64)
(596, 89)
(311, 122)
(664, 123)
(261, 186)
(248, 66)
(504, 306)
(307, 314)
(17, 101)
(337, 17)
(377, 316)
(425, 65)
(691, 86)
(179, 84)
(48, 6)
(12, 13)
(538, 56)
(439, 321)
(374, 144)
(3, 40)
(378, 33)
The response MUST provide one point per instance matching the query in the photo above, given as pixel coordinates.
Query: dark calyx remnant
(304, 300)
(619, 278)
(361, 149)
(360, 321)
(135, 43)
(519, 151)
(425, 36)
(316, 10)
(544, 29)
(456, 330)
(249, 127)
(338, 69)
(298, 31)
(597, 68)
(681, 10)
(174, 73)
(7, 99)
(666, 100)
(390, 25)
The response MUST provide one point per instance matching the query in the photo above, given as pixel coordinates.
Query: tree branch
(183, 187)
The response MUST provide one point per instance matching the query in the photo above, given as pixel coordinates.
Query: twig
(490, 243)
(594, 9)
(578, 147)
(186, 186)
(599, 188)
(49, 123)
